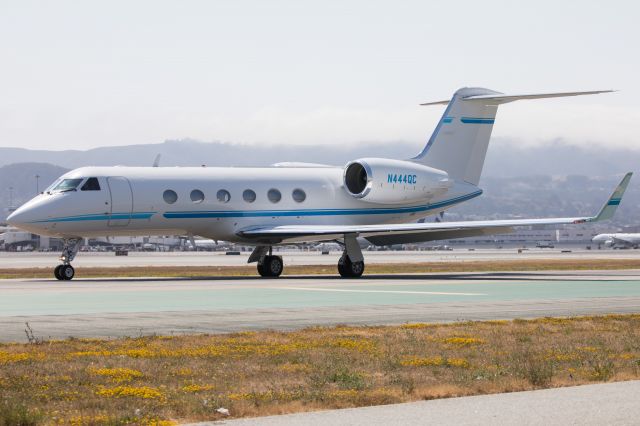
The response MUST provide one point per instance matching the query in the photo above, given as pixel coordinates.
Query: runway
(142, 306)
(108, 259)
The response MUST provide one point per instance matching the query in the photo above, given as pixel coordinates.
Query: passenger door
(121, 201)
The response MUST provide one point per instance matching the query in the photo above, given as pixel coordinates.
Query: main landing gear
(65, 272)
(269, 266)
(350, 265)
(349, 269)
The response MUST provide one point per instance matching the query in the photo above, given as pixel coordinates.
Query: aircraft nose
(25, 216)
(15, 218)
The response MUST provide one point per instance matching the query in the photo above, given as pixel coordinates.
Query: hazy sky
(80, 74)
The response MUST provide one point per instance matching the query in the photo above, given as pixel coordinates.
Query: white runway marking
(437, 293)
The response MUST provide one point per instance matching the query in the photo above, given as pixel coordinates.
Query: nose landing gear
(65, 272)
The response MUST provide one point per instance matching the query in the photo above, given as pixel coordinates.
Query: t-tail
(459, 143)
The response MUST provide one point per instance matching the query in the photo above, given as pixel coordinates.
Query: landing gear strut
(65, 272)
(269, 266)
(351, 264)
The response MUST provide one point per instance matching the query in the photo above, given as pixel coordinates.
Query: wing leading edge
(416, 232)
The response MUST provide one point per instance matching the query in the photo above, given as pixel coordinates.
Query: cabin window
(197, 196)
(274, 195)
(91, 184)
(298, 195)
(67, 185)
(223, 196)
(249, 196)
(170, 196)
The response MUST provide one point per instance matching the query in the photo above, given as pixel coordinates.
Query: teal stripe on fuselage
(319, 212)
(99, 216)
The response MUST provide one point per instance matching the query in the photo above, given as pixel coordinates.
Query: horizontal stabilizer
(501, 98)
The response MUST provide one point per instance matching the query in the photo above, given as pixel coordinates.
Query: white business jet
(378, 199)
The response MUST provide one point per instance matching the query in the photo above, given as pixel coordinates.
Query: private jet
(378, 199)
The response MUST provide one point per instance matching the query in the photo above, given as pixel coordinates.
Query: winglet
(610, 207)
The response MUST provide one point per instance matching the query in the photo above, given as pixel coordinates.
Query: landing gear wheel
(56, 272)
(349, 269)
(67, 272)
(271, 266)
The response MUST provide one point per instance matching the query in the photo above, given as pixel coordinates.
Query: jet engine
(385, 181)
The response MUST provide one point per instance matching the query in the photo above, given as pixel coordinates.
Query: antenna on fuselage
(156, 162)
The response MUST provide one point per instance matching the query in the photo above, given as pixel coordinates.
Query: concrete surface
(50, 259)
(131, 307)
(601, 404)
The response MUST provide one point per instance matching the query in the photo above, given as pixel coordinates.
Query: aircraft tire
(348, 269)
(261, 270)
(56, 272)
(272, 266)
(67, 272)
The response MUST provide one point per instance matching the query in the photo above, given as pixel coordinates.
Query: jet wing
(416, 232)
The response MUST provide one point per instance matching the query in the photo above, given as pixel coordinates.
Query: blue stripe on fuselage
(99, 216)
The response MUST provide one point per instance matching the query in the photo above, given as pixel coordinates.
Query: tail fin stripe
(472, 120)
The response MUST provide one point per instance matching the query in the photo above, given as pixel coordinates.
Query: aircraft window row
(223, 196)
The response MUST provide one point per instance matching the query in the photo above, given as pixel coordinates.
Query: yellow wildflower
(144, 392)
(197, 388)
(118, 375)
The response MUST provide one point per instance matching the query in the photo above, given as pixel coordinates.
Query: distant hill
(505, 158)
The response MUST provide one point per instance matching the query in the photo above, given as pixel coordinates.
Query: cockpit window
(91, 184)
(67, 185)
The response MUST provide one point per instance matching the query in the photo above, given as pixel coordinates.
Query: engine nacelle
(385, 181)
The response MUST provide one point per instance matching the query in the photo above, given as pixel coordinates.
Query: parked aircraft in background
(618, 240)
(378, 199)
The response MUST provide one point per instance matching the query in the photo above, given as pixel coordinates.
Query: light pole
(37, 184)
(10, 197)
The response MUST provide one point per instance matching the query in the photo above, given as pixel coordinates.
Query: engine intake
(385, 181)
(356, 179)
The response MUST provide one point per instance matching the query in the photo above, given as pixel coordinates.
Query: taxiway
(142, 306)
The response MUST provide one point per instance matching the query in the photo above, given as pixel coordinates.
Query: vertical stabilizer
(459, 143)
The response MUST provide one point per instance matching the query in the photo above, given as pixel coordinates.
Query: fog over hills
(550, 180)
(504, 158)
